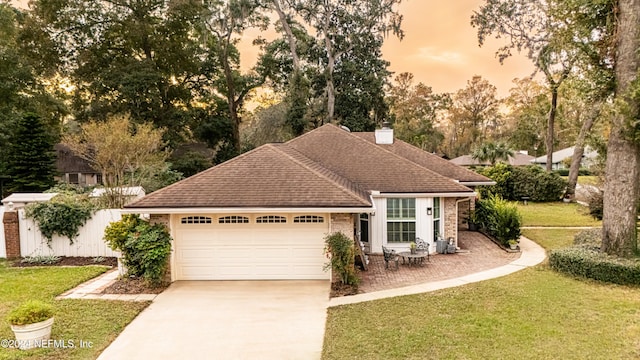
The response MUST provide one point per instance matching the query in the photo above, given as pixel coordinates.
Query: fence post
(11, 234)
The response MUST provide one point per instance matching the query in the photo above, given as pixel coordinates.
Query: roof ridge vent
(384, 136)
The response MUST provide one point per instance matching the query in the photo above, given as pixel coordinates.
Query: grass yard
(532, 314)
(97, 321)
(551, 239)
(556, 214)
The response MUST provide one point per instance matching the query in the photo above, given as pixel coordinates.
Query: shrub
(589, 237)
(498, 218)
(596, 204)
(145, 248)
(586, 262)
(31, 312)
(341, 253)
(41, 259)
(64, 215)
(513, 183)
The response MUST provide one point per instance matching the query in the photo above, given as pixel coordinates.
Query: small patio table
(413, 258)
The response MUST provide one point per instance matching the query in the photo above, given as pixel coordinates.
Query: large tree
(414, 110)
(535, 26)
(473, 116)
(30, 156)
(622, 188)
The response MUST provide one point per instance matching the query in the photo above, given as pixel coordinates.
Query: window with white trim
(308, 219)
(436, 218)
(401, 219)
(195, 220)
(233, 219)
(271, 219)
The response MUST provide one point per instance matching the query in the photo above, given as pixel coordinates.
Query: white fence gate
(3, 247)
(89, 243)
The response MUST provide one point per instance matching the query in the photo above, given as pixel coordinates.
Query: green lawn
(551, 239)
(532, 314)
(555, 214)
(97, 321)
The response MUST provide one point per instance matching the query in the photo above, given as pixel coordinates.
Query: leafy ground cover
(95, 321)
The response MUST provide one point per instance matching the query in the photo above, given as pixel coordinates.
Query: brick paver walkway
(479, 253)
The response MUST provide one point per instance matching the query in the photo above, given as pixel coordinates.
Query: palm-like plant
(492, 152)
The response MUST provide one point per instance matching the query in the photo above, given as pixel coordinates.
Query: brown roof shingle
(428, 160)
(269, 176)
(372, 166)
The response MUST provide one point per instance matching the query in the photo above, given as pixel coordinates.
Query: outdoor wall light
(429, 211)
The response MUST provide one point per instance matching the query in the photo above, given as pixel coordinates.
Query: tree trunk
(290, 38)
(579, 151)
(551, 125)
(623, 153)
(331, 62)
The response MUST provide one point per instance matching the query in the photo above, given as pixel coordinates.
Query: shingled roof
(327, 167)
(269, 176)
(429, 161)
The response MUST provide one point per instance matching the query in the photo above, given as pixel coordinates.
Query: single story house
(73, 169)
(558, 158)
(520, 158)
(264, 214)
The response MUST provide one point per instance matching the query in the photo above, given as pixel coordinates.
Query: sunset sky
(440, 47)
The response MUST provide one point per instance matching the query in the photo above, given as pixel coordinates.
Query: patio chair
(390, 255)
(422, 246)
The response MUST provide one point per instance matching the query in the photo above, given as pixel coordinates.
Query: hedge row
(499, 218)
(516, 182)
(588, 262)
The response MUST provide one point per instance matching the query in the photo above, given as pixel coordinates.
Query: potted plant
(412, 247)
(513, 244)
(472, 221)
(31, 321)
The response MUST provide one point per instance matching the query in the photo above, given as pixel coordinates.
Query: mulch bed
(339, 289)
(133, 286)
(72, 261)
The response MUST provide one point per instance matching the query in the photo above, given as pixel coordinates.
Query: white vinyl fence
(89, 243)
(3, 247)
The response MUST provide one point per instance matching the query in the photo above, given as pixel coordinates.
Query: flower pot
(413, 250)
(27, 335)
(513, 246)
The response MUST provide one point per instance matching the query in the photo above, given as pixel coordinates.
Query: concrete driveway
(228, 320)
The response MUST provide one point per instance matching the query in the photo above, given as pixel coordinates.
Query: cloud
(433, 55)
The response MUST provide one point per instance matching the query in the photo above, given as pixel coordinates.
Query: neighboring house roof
(68, 162)
(518, 159)
(327, 167)
(127, 191)
(560, 155)
(429, 161)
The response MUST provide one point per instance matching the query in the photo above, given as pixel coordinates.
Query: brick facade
(450, 219)
(11, 234)
(342, 223)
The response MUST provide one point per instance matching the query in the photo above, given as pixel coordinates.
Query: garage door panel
(250, 251)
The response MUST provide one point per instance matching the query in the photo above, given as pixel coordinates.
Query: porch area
(477, 253)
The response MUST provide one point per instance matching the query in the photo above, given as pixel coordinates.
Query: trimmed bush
(145, 248)
(498, 218)
(596, 204)
(589, 237)
(340, 251)
(583, 261)
(516, 182)
(30, 312)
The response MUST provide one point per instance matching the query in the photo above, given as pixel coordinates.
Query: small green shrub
(596, 204)
(30, 312)
(340, 251)
(586, 262)
(145, 248)
(589, 237)
(498, 218)
(41, 259)
(64, 215)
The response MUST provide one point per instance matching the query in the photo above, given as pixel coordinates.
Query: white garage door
(247, 247)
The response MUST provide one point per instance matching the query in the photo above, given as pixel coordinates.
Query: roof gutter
(477, 183)
(209, 210)
(423, 195)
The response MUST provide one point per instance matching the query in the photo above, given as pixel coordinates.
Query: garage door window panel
(306, 219)
(195, 220)
(271, 219)
(233, 219)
